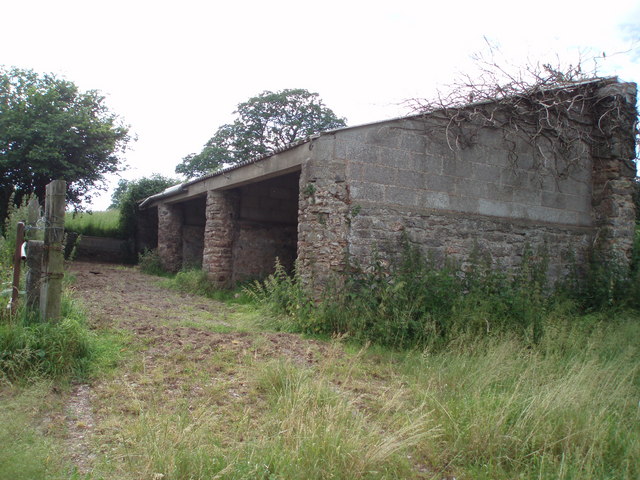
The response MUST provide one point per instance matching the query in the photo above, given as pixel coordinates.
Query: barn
(492, 176)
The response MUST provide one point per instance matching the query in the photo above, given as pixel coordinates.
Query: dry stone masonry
(348, 195)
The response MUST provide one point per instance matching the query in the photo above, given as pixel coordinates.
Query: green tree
(49, 129)
(128, 195)
(265, 123)
(119, 193)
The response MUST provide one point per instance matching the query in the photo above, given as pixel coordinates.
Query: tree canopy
(49, 130)
(264, 123)
(128, 194)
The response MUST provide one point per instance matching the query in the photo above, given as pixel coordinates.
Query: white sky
(174, 71)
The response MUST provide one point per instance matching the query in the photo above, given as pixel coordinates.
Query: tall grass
(194, 281)
(307, 430)
(99, 224)
(485, 408)
(524, 381)
(35, 356)
(566, 409)
(31, 349)
(317, 433)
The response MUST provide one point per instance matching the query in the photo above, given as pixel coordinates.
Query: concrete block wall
(400, 164)
(450, 201)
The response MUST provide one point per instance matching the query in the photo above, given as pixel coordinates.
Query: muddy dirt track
(170, 335)
(122, 297)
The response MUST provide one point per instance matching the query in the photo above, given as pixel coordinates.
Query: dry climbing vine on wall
(558, 113)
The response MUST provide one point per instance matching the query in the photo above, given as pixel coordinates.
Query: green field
(100, 224)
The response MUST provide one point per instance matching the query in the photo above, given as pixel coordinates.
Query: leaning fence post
(53, 255)
(17, 260)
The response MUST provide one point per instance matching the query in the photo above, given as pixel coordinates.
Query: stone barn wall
(258, 245)
(367, 188)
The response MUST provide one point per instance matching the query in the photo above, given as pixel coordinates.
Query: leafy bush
(417, 304)
(15, 214)
(606, 282)
(130, 192)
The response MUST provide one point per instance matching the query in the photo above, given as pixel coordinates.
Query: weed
(284, 296)
(607, 282)
(309, 190)
(415, 303)
(149, 262)
(553, 412)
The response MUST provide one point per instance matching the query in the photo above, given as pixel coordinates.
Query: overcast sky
(175, 70)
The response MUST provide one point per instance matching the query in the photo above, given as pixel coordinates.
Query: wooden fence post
(34, 273)
(17, 261)
(53, 255)
(34, 255)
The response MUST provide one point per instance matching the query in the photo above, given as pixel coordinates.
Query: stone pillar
(219, 233)
(170, 236)
(323, 218)
(613, 170)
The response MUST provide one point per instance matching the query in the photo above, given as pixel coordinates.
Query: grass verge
(64, 350)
